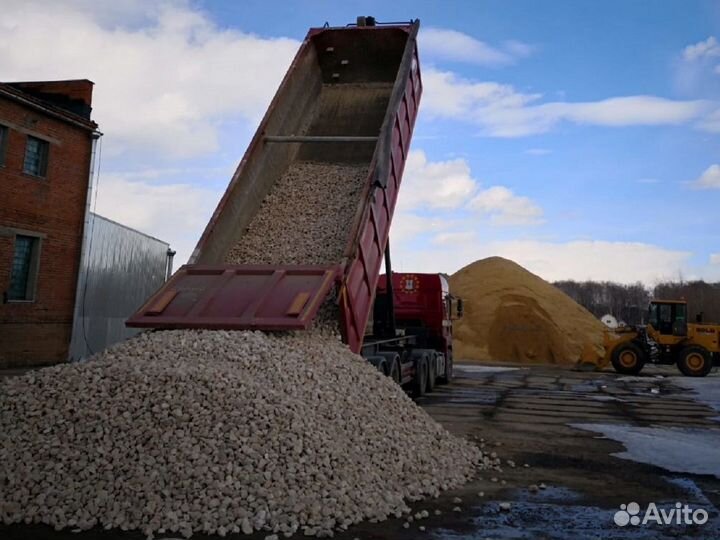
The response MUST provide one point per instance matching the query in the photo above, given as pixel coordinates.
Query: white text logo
(681, 514)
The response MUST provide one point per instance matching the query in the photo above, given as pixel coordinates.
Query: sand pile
(513, 315)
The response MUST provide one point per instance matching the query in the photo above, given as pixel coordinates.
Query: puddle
(587, 386)
(543, 519)
(483, 369)
(693, 489)
(681, 450)
(706, 390)
(476, 397)
(605, 397)
(549, 494)
(636, 378)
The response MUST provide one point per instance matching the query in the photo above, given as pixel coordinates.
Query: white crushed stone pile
(306, 218)
(219, 432)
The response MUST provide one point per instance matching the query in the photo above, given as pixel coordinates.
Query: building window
(3, 144)
(24, 270)
(36, 156)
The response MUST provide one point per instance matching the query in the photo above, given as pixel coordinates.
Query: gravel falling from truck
(219, 432)
(306, 218)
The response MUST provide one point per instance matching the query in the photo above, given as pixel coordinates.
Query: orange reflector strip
(298, 303)
(159, 306)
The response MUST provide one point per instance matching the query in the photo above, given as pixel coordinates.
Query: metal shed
(120, 269)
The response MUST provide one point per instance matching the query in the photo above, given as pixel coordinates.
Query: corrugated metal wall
(121, 268)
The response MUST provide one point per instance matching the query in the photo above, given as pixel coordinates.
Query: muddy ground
(533, 416)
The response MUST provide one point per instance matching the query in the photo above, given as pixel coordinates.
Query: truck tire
(432, 372)
(383, 367)
(628, 358)
(695, 361)
(395, 374)
(446, 378)
(378, 363)
(420, 377)
(392, 364)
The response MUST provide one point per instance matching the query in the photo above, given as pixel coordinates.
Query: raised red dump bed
(358, 89)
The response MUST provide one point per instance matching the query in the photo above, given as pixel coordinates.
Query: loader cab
(668, 317)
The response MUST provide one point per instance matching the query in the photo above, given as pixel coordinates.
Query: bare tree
(625, 302)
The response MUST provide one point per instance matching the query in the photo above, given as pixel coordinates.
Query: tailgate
(235, 297)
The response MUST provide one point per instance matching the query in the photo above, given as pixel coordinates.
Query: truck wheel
(694, 361)
(395, 371)
(432, 372)
(420, 377)
(446, 377)
(628, 359)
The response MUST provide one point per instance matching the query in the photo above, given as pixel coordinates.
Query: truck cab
(412, 317)
(423, 308)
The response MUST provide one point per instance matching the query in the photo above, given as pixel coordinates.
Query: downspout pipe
(169, 264)
(84, 254)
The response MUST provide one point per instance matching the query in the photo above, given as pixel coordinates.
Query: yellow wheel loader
(667, 339)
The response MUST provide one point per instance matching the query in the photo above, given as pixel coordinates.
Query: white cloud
(710, 122)
(625, 111)
(624, 262)
(697, 69)
(519, 48)
(439, 184)
(538, 151)
(110, 13)
(453, 238)
(502, 111)
(710, 48)
(449, 185)
(715, 258)
(407, 225)
(162, 87)
(596, 260)
(710, 179)
(506, 208)
(175, 213)
(451, 45)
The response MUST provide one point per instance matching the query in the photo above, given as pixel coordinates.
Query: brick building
(46, 149)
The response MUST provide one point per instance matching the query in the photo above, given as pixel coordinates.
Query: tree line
(629, 303)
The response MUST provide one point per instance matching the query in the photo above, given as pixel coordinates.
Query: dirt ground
(530, 416)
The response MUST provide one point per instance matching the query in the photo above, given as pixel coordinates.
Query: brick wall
(80, 90)
(38, 332)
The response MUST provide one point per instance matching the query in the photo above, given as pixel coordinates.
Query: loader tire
(695, 361)
(628, 359)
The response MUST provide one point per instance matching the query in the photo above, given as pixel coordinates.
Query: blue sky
(581, 139)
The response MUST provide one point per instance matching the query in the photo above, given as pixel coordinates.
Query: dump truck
(668, 338)
(351, 95)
